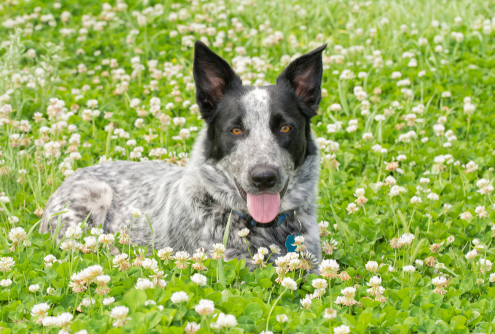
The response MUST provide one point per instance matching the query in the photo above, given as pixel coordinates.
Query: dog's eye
(236, 131)
(285, 129)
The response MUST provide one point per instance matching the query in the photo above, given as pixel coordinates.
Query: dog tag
(290, 243)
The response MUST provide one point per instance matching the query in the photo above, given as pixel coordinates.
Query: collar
(279, 219)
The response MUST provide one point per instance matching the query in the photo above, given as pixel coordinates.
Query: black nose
(264, 177)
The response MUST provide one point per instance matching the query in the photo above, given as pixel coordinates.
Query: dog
(255, 161)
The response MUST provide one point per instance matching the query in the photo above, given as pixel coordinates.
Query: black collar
(279, 219)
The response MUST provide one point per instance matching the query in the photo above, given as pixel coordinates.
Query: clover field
(406, 129)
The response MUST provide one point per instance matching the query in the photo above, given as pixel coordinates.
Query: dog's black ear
(303, 77)
(213, 77)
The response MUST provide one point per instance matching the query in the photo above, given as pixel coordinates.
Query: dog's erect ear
(303, 77)
(213, 77)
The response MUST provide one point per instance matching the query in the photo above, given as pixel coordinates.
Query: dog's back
(110, 191)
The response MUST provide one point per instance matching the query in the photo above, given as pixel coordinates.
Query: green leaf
(227, 229)
(253, 310)
(221, 273)
(349, 319)
(134, 299)
(458, 322)
(216, 296)
(153, 318)
(363, 321)
(265, 283)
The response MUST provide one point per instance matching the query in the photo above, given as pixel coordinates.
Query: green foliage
(385, 154)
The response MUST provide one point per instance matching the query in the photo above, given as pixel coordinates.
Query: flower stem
(248, 247)
(271, 310)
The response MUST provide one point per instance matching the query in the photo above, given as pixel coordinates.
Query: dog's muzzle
(243, 193)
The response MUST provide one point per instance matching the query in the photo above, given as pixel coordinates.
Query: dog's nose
(264, 177)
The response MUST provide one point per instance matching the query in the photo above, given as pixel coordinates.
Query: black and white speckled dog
(255, 155)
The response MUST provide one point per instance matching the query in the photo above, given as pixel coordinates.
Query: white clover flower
(62, 320)
(17, 234)
(179, 297)
(396, 190)
(151, 264)
(352, 208)
(263, 251)
(192, 327)
(371, 266)
(143, 284)
(396, 75)
(485, 264)
(103, 279)
(40, 311)
(469, 108)
(199, 279)
(73, 232)
(367, 136)
(289, 283)
(409, 269)
(119, 313)
(224, 321)
(406, 238)
(136, 213)
(274, 249)
(306, 301)
(424, 180)
(347, 75)
(243, 233)
(440, 280)
(96, 231)
(6, 282)
(108, 301)
(205, 307)
(374, 281)
(433, 197)
(390, 181)
(319, 283)
(359, 192)
(134, 103)
(34, 287)
(415, 200)
(106, 239)
(471, 254)
(149, 302)
(330, 313)
(343, 329)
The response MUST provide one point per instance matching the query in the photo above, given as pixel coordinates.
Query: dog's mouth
(262, 207)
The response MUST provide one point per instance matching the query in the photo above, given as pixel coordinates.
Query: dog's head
(257, 137)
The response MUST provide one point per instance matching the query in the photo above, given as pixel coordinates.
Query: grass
(406, 178)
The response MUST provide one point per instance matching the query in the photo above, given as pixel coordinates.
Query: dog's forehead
(256, 106)
(261, 103)
(256, 99)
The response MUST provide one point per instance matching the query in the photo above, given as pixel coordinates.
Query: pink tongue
(263, 208)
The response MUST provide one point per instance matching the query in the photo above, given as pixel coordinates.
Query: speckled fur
(189, 206)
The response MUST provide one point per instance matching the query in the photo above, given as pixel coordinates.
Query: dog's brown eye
(285, 129)
(236, 131)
